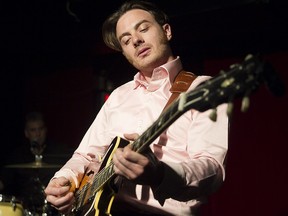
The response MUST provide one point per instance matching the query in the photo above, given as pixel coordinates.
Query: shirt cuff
(173, 179)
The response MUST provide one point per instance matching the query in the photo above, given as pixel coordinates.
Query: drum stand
(38, 205)
(33, 195)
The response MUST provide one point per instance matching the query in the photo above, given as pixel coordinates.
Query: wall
(256, 178)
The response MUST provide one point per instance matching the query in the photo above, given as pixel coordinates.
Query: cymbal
(34, 165)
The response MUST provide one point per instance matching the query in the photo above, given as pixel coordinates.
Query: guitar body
(100, 205)
(102, 202)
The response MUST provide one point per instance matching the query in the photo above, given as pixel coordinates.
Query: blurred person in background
(32, 163)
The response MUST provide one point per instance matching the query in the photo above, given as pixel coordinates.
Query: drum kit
(35, 203)
(9, 205)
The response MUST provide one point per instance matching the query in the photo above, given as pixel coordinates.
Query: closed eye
(126, 40)
(144, 29)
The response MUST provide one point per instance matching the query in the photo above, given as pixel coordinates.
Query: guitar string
(103, 172)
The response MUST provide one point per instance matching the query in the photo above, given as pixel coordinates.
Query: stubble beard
(153, 60)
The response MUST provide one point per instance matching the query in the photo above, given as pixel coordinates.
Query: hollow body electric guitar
(96, 196)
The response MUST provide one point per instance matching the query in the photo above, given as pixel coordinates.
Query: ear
(167, 30)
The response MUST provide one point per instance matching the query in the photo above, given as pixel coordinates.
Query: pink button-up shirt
(193, 148)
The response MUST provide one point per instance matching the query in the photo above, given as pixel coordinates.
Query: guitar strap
(181, 83)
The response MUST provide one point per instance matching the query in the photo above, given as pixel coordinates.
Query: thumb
(64, 182)
(131, 137)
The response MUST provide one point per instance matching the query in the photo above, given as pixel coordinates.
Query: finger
(61, 202)
(130, 167)
(125, 172)
(127, 158)
(132, 136)
(56, 190)
(131, 156)
(67, 205)
(65, 182)
(121, 165)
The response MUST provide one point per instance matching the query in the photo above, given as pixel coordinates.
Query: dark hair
(109, 25)
(34, 116)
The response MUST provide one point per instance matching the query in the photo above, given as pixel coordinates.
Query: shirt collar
(159, 75)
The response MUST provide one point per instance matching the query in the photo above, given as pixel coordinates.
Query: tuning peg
(213, 115)
(249, 56)
(229, 110)
(234, 65)
(222, 72)
(245, 104)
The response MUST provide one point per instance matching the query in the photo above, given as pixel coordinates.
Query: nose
(38, 132)
(137, 40)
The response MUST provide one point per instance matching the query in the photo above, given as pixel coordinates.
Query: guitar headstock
(239, 81)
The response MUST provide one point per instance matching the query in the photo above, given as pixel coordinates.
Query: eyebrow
(135, 27)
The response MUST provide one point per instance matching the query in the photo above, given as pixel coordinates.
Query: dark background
(53, 60)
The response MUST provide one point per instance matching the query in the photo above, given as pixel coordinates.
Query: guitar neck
(167, 117)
